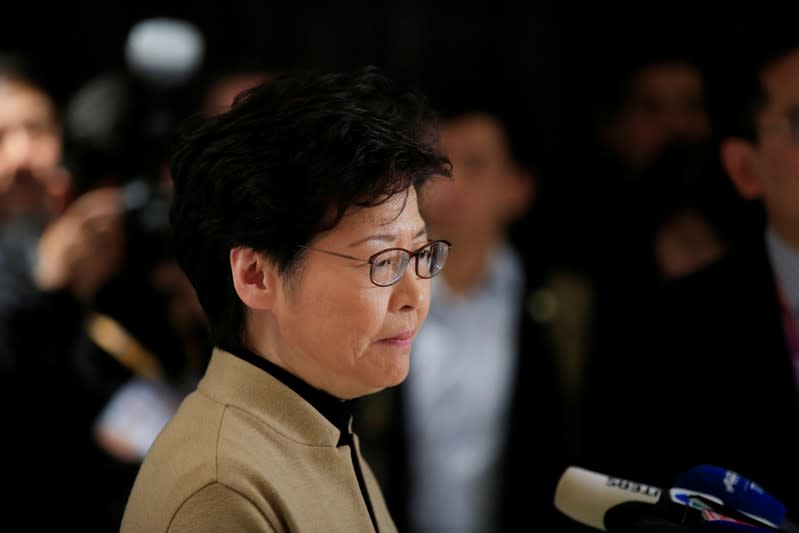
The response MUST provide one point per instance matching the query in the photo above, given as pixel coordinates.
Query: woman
(296, 219)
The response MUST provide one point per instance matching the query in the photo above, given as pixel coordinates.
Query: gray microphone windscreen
(164, 51)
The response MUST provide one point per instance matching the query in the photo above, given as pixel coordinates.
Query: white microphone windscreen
(585, 496)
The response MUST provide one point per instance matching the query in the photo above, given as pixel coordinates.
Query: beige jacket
(246, 453)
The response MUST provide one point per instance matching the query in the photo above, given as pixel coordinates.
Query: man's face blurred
(30, 137)
(775, 157)
(665, 104)
(486, 190)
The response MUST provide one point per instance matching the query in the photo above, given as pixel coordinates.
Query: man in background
(482, 372)
(714, 357)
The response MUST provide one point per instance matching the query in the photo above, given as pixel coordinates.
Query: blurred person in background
(296, 219)
(658, 103)
(714, 355)
(683, 221)
(31, 146)
(657, 100)
(676, 225)
(113, 145)
(451, 444)
(646, 209)
(661, 98)
(55, 252)
(88, 340)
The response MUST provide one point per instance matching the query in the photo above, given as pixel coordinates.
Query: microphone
(587, 496)
(735, 491)
(164, 51)
(610, 503)
(738, 492)
(720, 526)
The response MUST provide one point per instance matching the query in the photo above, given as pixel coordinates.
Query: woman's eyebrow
(385, 237)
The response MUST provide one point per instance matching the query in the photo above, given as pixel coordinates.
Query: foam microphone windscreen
(735, 491)
(587, 496)
(164, 51)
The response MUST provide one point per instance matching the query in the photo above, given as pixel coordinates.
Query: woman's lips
(401, 340)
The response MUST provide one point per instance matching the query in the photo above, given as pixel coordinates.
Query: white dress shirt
(462, 368)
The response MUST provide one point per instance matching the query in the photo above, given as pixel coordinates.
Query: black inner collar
(336, 410)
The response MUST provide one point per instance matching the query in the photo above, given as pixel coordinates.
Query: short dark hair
(736, 91)
(22, 70)
(283, 165)
(515, 124)
(621, 75)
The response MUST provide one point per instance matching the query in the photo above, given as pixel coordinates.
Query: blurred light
(164, 51)
(543, 305)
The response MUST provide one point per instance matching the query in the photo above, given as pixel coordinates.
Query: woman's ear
(737, 156)
(254, 277)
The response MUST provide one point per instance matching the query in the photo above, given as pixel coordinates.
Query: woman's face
(334, 327)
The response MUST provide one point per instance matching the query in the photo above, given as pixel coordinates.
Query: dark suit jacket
(700, 372)
(533, 459)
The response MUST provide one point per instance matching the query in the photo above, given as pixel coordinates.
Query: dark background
(549, 58)
(550, 61)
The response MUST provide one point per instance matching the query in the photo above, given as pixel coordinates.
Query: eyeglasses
(388, 266)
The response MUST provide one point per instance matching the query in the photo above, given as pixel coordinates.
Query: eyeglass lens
(389, 266)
